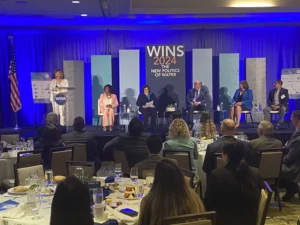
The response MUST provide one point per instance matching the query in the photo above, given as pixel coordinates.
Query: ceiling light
(75, 2)
(252, 4)
(84, 14)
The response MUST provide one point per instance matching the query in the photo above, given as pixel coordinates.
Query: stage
(103, 137)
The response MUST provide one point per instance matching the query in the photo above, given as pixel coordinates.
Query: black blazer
(217, 147)
(282, 102)
(40, 131)
(202, 97)
(225, 196)
(142, 100)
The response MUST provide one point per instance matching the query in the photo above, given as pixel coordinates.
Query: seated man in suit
(154, 146)
(277, 101)
(196, 100)
(52, 118)
(227, 131)
(78, 134)
(133, 144)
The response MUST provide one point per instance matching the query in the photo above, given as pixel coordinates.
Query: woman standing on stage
(242, 101)
(59, 85)
(108, 104)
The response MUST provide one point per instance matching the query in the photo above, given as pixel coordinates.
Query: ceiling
(145, 12)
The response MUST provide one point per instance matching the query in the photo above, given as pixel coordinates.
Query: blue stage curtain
(45, 50)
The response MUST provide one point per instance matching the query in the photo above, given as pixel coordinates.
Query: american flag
(15, 100)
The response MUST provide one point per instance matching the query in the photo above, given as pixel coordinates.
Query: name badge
(282, 96)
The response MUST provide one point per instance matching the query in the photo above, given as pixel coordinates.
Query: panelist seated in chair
(146, 108)
(277, 101)
(108, 104)
(242, 101)
(196, 99)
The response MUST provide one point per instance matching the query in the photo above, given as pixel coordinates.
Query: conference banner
(40, 83)
(165, 73)
(291, 81)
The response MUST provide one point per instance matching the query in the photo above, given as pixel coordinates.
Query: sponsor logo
(47, 76)
(298, 71)
(60, 99)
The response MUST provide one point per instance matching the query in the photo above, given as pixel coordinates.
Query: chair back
(270, 163)
(199, 222)
(147, 173)
(80, 150)
(120, 157)
(219, 162)
(88, 168)
(59, 157)
(192, 218)
(10, 138)
(182, 157)
(190, 175)
(265, 199)
(22, 173)
(30, 158)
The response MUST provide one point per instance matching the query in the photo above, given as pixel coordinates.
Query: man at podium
(59, 85)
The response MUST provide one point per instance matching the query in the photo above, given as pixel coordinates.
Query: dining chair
(147, 173)
(196, 186)
(120, 157)
(192, 218)
(264, 203)
(270, 169)
(88, 168)
(10, 138)
(58, 159)
(22, 173)
(30, 158)
(80, 150)
(181, 156)
(219, 162)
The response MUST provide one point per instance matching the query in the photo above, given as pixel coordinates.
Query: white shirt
(276, 96)
(54, 87)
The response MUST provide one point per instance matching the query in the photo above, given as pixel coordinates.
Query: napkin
(109, 180)
(14, 213)
(122, 217)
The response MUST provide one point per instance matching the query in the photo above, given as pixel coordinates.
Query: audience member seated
(154, 146)
(169, 196)
(290, 172)
(206, 129)
(180, 139)
(133, 144)
(227, 131)
(78, 134)
(71, 204)
(50, 139)
(52, 118)
(234, 190)
(265, 141)
(173, 116)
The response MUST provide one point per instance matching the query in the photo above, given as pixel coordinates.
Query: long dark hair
(146, 86)
(71, 204)
(51, 136)
(235, 150)
(110, 88)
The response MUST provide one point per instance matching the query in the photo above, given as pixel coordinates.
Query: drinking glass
(29, 144)
(118, 171)
(139, 189)
(134, 174)
(49, 177)
(97, 196)
(245, 138)
(79, 173)
(34, 204)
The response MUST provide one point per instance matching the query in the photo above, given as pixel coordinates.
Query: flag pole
(16, 117)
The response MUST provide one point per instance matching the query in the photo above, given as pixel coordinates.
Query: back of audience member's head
(175, 115)
(265, 128)
(234, 153)
(135, 127)
(78, 124)
(178, 128)
(296, 118)
(71, 204)
(205, 117)
(51, 136)
(154, 144)
(170, 195)
(228, 127)
(52, 118)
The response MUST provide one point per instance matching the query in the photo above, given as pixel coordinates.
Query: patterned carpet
(290, 213)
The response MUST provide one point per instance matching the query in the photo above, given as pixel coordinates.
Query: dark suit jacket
(148, 164)
(291, 162)
(135, 148)
(142, 100)
(259, 144)
(92, 145)
(282, 102)
(217, 147)
(40, 131)
(202, 97)
(225, 196)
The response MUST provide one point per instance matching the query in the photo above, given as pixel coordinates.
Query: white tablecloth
(7, 168)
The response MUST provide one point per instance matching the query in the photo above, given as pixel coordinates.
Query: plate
(12, 192)
(121, 197)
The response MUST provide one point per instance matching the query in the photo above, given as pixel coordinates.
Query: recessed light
(75, 2)
(251, 5)
(84, 14)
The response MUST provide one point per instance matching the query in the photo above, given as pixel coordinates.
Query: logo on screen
(298, 71)
(177, 51)
(60, 99)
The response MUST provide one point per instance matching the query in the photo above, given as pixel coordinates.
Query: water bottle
(129, 108)
(124, 109)
(221, 106)
(218, 108)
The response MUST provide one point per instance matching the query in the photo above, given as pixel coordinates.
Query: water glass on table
(118, 171)
(134, 174)
(98, 196)
(33, 205)
(99, 214)
(139, 189)
(79, 173)
(49, 177)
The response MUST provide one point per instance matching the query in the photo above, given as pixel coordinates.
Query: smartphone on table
(129, 212)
